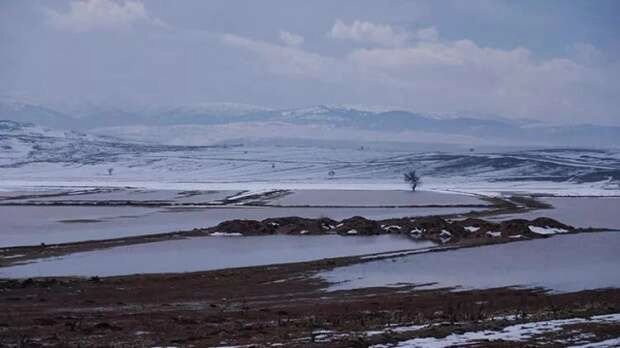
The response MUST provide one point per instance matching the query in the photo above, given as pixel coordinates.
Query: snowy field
(64, 164)
(32, 156)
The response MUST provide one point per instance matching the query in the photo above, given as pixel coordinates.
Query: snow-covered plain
(32, 156)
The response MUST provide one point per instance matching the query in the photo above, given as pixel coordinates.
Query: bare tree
(412, 179)
(110, 170)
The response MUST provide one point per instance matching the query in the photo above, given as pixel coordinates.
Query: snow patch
(514, 333)
(226, 234)
(547, 230)
(249, 193)
(416, 232)
(614, 342)
(13, 256)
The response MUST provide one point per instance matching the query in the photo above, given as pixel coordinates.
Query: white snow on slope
(494, 234)
(56, 158)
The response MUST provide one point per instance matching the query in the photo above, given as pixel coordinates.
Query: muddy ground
(263, 306)
(279, 305)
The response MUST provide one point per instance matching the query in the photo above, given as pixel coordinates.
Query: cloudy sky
(556, 61)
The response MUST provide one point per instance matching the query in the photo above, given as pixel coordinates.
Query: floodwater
(563, 263)
(109, 194)
(602, 212)
(209, 253)
(28, 225)
(373, 198)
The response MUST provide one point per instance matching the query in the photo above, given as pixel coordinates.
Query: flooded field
(33, 224)
(344, 198)
(561, 263)
(568, 259)
(373, 198)
(601, 212)
(118, 195)
(209, 253)
(28, 225)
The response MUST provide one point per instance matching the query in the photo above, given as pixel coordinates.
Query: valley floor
(284, 305)
(566, 294)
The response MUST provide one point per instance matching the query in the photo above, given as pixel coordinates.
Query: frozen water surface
(116, 194)
(209, 253)
(370, 198)
(27, 225)
(561, 263)
(578, 211)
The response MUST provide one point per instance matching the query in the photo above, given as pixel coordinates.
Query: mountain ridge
(504, 131)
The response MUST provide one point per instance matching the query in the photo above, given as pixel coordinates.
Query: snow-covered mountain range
(215, 123)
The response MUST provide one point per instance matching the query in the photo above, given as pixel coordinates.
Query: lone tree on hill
(412, 179)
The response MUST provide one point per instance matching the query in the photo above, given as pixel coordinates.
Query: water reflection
(561, 263)
(208, 253)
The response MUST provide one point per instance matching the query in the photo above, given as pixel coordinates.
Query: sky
(552, 61)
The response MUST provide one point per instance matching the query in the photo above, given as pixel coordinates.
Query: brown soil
(260, 306)
(281, 304)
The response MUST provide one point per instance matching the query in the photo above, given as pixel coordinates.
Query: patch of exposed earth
(284, 305)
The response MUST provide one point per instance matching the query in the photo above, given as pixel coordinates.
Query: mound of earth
(434, 229)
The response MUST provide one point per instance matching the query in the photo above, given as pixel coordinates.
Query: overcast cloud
(516, 59)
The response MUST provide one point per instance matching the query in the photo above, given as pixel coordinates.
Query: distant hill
(399, 125)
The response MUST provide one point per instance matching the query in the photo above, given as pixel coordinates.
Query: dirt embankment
(436, 229)
(468, 232)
